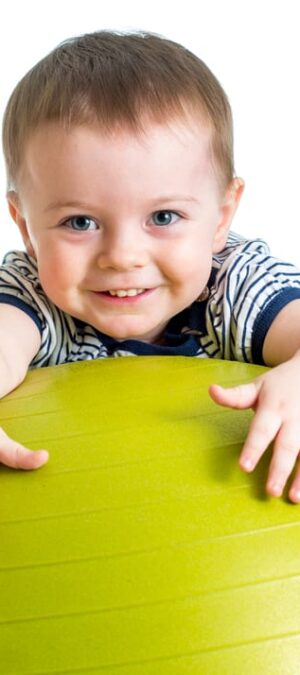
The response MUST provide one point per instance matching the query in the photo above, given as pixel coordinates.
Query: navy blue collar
(177, 340)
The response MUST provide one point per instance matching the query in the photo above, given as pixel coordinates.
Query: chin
(129, 335)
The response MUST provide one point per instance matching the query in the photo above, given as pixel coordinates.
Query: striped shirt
(246, 290)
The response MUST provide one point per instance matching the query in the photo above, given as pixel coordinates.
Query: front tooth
(135, 291)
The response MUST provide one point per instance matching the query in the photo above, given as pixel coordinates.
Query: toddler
(120, 178)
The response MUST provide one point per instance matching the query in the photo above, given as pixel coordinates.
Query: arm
(19, 342)
(275, 398)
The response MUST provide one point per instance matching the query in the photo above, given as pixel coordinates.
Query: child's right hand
(16, 456)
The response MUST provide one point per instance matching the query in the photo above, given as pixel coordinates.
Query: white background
(253, 47)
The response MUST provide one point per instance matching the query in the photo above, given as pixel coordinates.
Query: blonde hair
(116, 80)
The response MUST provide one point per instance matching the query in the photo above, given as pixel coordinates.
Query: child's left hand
(275, 398)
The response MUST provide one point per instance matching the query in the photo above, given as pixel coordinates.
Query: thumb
(242, 396)
(16, 456)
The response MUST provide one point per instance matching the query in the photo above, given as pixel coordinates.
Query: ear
(14, 207)
(227, 210)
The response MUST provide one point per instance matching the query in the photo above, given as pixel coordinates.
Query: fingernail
(247, 464)
(296, 495)
(275, 489)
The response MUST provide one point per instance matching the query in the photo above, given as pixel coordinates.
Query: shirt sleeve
(20, 287)
(250, 289)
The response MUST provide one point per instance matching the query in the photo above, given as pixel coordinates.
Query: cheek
(56, 269)
(190, 262)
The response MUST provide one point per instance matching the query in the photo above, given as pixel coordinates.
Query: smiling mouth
(125, 295)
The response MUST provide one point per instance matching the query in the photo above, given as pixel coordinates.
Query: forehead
(170, 151)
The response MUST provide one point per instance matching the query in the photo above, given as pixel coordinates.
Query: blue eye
(162, 218)
(81, 223)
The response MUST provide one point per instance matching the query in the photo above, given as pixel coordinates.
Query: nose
(122, 250)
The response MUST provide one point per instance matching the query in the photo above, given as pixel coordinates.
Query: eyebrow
(176, 198)
(67, 205)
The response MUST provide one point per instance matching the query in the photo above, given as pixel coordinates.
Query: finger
(16, 456)
(263, 429)
(242, 396)
(285, 453)
(294, 492)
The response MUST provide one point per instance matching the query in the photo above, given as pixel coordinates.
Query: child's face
(123, 227)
